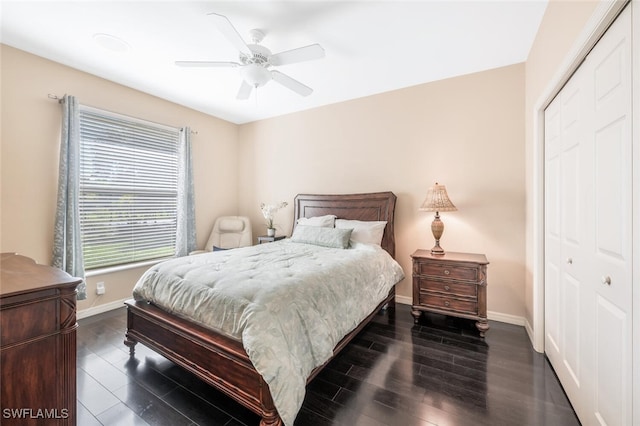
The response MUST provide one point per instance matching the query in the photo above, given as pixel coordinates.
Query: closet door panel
(612, 263)
(612, 195)
(611, 343)
(570, 208)
(569, 173)
(572, 212)
(572, 353)
(552, 311)
(553, 268)
(553, 199)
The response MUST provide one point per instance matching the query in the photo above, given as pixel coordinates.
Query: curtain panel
(67, 243)
(186, 226)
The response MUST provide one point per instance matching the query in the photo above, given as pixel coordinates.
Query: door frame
(602, 17)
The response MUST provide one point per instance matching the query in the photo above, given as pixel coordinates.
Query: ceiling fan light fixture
(255, 75)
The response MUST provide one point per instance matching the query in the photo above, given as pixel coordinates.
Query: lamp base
(437, 250)
(437, 228)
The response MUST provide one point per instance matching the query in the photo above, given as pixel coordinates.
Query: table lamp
(437, 201)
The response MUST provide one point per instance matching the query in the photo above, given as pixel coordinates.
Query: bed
(220, 359)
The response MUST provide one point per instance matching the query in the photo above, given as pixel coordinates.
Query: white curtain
(186, 229)
(67, 244)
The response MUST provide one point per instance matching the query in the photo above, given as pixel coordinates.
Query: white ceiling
(371, 46)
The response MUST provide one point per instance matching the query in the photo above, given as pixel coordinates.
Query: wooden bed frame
(221, 361)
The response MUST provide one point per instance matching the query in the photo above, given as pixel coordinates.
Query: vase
(271, 232)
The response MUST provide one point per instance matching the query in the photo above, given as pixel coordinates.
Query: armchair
(228, 232)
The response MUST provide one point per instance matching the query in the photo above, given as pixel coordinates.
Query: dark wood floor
(394, 373)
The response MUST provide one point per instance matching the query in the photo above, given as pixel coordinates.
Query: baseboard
(530, 333)
(493, 316)
(506, 318)
(404, 300)
(95, 310)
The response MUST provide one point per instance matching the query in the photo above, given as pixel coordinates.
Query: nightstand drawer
(455, 272)
(449, 303)
(449, 287)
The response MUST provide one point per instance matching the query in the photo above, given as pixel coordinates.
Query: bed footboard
(216, 359)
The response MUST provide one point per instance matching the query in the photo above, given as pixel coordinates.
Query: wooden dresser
(452, 284)
(37, 343)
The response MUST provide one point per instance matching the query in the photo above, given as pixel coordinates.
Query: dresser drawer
(445, 303)
(447, 288)
(455, 272)
(28, 321)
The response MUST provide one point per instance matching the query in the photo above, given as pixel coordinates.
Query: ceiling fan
(256, 60)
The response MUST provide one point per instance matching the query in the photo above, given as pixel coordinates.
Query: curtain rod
(61, 99)
(55, 98)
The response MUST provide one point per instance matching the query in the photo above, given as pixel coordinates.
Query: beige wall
(30, 147)
(466, 133)
(561, 26)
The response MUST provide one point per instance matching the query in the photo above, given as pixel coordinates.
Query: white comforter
(289, 303)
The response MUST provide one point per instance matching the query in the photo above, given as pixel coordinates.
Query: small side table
(451, 284)
(266, 239)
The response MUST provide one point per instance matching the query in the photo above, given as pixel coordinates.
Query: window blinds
(128, 189)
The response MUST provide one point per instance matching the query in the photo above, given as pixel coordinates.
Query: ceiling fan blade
(206, 64)
(306, 53)
(229, 31)
(291, 83)
(245, 91)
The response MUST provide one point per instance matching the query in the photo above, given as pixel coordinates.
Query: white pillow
(369, 232)
(326, 221)
(321, 236)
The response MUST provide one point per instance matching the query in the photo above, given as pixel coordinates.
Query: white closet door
(612, 249)
(588, 236)
(568, 322)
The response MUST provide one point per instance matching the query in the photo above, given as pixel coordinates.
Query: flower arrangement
(269, 210)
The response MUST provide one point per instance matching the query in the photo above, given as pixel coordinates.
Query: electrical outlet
(100, 290)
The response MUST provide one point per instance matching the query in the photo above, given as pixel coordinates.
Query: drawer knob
(446, 287)
(569, 260)
(446, 272)
(446, 303)
(606, 280)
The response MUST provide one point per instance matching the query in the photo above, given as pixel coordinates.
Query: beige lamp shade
(437, 200)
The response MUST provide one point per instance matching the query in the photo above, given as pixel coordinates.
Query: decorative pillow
(327, 221)
(369, 232)
(321, 236)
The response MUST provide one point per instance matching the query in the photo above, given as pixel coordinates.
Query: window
(128, 189)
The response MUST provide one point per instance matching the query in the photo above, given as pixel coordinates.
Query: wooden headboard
(370, 206)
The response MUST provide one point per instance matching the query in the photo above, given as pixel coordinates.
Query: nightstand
(451, 284)
(266, 239)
